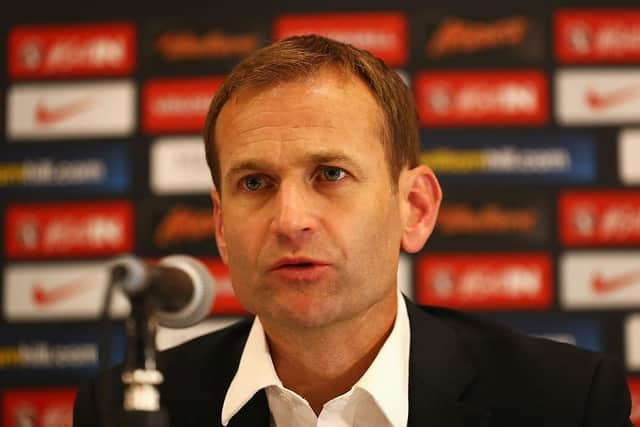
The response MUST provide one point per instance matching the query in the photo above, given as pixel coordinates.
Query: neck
(322, 363)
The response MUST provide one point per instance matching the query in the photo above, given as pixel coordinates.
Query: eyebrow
(247, 165)
(312, 158)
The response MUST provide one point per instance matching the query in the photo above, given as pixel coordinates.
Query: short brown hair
(299, 57)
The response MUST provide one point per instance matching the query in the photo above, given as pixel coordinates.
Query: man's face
(307, 218)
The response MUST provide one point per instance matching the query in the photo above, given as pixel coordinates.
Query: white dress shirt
(380, 398)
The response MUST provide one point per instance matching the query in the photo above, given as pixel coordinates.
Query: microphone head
(203, 293)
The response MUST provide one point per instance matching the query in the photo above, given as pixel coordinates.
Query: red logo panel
(70, 51)
(589, 218)
(634, 388)
(483, 98)
(177, 105)
(382, 34)
(68, 229)
(485, 281)
(605, 36)
(38, 407)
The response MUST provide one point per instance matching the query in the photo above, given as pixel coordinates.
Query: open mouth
(294, 263)
(300, 270)
(298, 265)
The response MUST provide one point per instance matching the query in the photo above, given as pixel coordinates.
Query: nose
(294, 218)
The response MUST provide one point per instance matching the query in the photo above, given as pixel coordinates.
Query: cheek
(241, 266)
(386, 233)
(240, 248)
(373, 235)
(243, 236)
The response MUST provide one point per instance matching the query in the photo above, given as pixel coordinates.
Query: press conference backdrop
(530, 118)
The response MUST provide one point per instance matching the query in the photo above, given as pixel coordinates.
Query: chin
(310, 315)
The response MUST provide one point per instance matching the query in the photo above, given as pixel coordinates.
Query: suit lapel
(208, 384)
(255, 413)
(439, 373)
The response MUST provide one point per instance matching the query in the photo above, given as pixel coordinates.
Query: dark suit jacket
(464, 371)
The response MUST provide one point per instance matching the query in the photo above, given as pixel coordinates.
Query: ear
(421, 197)
(218, 226)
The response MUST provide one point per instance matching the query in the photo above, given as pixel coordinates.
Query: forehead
(329, 98)
(323, 107)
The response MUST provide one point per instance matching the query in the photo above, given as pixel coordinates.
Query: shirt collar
(386, 380)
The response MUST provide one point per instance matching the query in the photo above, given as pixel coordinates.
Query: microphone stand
(141, 405)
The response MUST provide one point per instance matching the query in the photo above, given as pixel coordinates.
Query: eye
(332, 173)
(253, 182)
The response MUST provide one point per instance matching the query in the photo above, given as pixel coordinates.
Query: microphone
(179, 285)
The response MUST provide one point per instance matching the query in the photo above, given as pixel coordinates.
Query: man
(313, 147)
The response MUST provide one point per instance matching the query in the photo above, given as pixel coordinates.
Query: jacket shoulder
(205, 348)
(486, 339)
(524, 377)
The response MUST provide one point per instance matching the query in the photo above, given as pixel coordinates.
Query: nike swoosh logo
(46, 116)
(598, 101)
(49, 296)
(601, 285)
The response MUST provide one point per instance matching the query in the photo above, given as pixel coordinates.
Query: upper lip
(283, 262)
